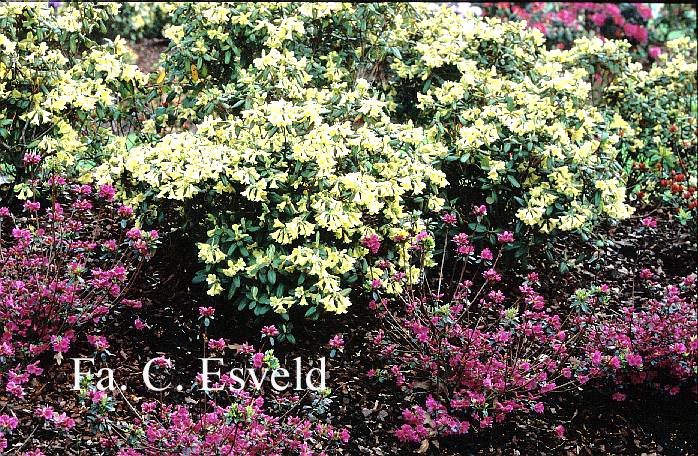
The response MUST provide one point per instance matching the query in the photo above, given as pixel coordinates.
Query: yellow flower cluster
(74, 92)
(298, 182)
(513, 109)
(654, 108)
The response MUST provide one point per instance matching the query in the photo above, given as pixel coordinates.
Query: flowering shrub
(285, 188)
(316, 152)
(650, 339)
(65, 263)
(654, 109)
(246, 427)
(520, 129)
(214, 46)
(286, 211)
(563, 22)
(663, 153)
(472, 353)
(480, 352)
(236, 420)
(64, 97)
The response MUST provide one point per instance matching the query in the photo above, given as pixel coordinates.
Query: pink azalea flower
(372, 243)
(449, 219)
(619, 397)
(505, 237)
(107, 192)
(216, 344)
(31, 158)
(258, 360)
(480, 210)
(125, 211)
(206, 311)
(270, 331)
(32, 206)
(337, 342)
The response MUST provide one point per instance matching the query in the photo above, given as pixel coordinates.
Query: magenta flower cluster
(230, 421)
(493, 352)
(606, 20)
(64, 265)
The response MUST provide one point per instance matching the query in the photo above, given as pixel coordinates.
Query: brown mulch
(149, 51)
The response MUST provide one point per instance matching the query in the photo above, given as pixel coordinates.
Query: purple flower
(634, 360)
(107, 192)
(125, 211)
(486, 254)
(32, 206)
(216, 344)
(654, 52)
(372, 243)
(449, 219)
(649, 222)
(599, 19)
(644, 11)
(134, 233)
(505, 237)
(480, 210)
(337, 341)
(270, 331)
(491, 275)
(206, 311)
(31, 158)
(258, 360)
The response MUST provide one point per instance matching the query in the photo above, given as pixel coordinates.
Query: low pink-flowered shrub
(226, 420)
(475, 352)
(245, 427)
(65, 262)
(652, 338)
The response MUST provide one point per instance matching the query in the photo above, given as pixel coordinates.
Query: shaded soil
(148, 51)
